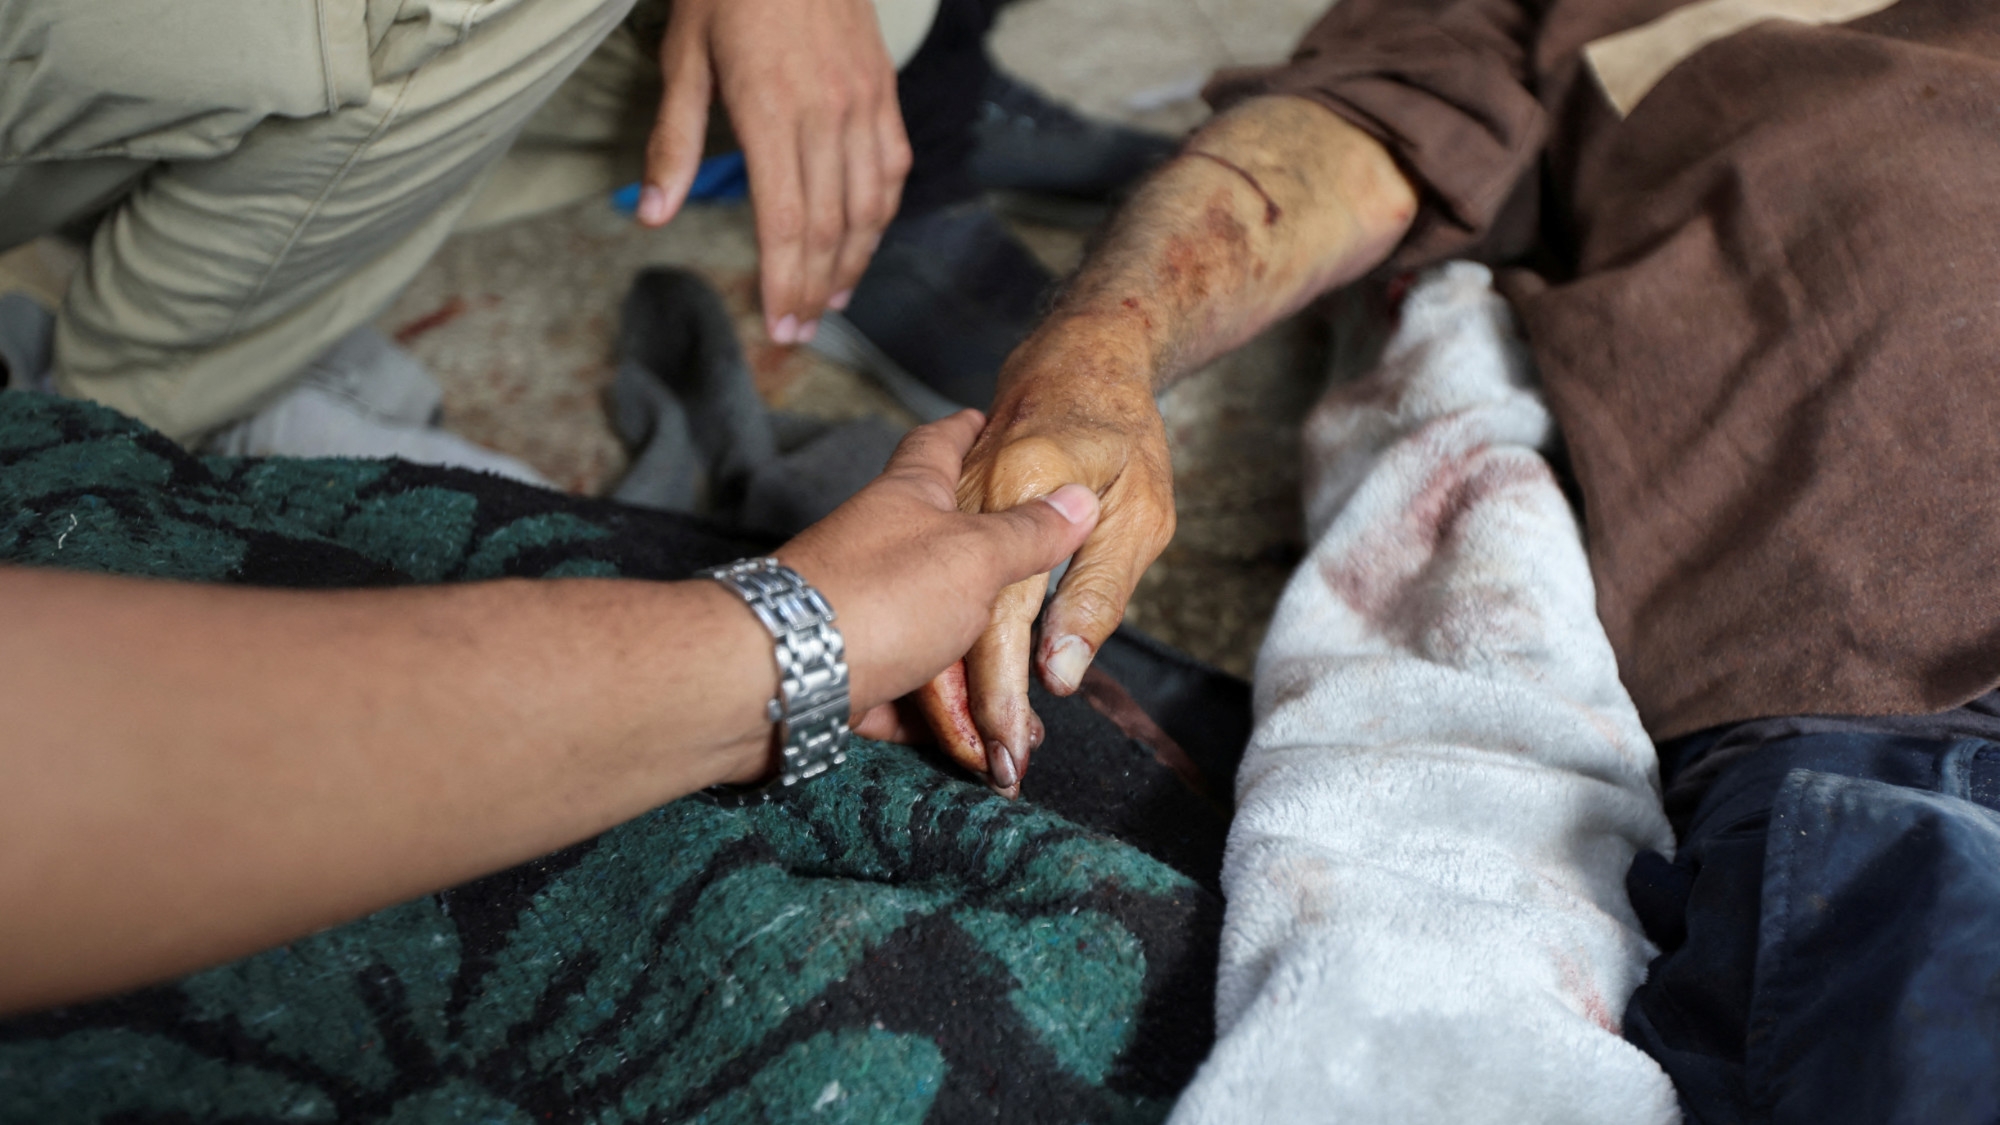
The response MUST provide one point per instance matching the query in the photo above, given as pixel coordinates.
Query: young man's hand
(913, 579)
(811, 93)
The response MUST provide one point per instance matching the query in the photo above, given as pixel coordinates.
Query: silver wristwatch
(811, 707)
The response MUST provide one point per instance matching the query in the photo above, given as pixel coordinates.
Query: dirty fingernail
(786, 331)
(652, 205)
(807, 331)
(1074, 501)
(838, 302)
(1000, 764)
(1067, 659)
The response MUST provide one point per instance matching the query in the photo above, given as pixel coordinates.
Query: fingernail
(807, 331)
(786, 331)
(838, 302)
(1067, 660)
(652, 205)
(1000, 764)
(1074, 501)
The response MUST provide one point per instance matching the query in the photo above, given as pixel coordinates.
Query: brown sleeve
(1442, 83)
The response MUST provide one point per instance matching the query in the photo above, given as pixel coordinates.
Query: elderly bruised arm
(1271, 204)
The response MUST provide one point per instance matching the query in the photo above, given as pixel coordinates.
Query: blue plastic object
(720, 179)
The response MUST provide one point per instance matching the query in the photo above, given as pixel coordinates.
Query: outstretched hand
(914, 579)
(811, 93)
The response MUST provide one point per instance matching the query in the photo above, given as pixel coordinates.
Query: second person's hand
(811, 94)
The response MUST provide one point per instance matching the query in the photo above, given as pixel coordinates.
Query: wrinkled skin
(1269, 205)
(1079, 421)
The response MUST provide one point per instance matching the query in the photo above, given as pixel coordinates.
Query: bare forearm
(1266, 207)
(1269, 205)
(194, 773)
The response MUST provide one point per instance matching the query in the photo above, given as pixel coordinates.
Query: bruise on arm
(1266, 207)
(1272, 212)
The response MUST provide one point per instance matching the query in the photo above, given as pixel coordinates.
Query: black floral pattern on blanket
(891, 943)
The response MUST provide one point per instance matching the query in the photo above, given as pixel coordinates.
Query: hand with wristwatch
(915, 580)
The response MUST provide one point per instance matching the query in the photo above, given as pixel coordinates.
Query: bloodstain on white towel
(1588, 1001)
(1383, 576)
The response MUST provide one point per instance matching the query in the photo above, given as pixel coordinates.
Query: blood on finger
(947, 707)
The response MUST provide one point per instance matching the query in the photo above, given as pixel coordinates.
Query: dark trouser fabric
(1830, 934)
(939, 89)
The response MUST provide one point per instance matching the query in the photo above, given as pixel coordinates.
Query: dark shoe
(1029, 146)
(949, 294)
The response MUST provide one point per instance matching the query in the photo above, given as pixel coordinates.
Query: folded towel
(1426, 911)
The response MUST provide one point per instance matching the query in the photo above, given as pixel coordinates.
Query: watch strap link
(811, 708)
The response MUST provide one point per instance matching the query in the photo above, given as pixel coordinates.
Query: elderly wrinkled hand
(811, 94)
(1073, 408)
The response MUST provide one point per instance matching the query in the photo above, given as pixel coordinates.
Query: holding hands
(912, 577)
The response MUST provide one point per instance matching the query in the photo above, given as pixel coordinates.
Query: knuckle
(880, 211)
(824, 233)
(1096, 602)
(897, 157)
(784, 223)
(1158, 530)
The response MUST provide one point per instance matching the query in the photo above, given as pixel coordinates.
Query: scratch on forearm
(1272, 212)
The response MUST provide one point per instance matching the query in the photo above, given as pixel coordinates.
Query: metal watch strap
(811, 707)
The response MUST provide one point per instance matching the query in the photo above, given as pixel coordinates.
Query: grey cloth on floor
(703, 441)
(27, 337)
(804, 484)
(362, 397)
(369, 372)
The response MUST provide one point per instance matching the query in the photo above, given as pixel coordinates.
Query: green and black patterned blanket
(893, 943)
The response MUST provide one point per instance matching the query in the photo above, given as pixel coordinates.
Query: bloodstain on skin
(1225, 227)
(444, 314)
(1132, 306)
(947, 707)
(1193, 258)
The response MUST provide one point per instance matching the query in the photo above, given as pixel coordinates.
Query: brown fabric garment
(1767, 318)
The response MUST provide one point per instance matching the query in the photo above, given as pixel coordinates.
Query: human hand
(1074, 406)
(811, 93)
(914, 579)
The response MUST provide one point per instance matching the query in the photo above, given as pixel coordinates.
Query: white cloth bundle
(1427, 919)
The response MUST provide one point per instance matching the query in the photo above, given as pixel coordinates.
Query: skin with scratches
(1272, 212)
(1270, 204)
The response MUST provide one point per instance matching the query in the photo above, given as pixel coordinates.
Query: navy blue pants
(1830, 935)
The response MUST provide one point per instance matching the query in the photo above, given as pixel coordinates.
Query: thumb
(673, 152)
(1032, 538)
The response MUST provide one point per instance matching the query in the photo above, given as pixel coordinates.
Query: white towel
(1427, 919)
